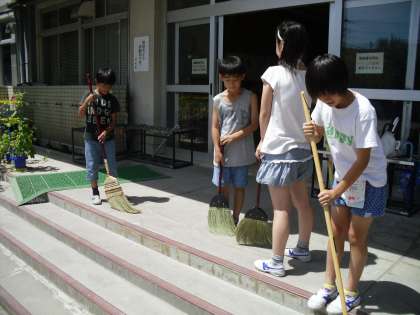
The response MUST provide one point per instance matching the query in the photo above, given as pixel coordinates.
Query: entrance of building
(252, 37)
(194, 46)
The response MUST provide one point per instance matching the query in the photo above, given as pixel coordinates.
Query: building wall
(147, 17)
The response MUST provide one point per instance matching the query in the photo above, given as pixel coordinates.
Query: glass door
(190, 79)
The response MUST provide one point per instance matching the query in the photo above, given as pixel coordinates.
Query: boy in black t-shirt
(106, 106)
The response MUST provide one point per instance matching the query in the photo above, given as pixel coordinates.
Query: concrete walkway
(176, 207)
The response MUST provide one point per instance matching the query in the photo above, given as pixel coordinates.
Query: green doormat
(28, 187)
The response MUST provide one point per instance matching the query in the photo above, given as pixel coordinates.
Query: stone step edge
(139, 277)
(265, 286)
(10, 304)
(65, 282)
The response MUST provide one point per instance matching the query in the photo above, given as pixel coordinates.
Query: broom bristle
(254, 232)
(116, 197)
(220, 221)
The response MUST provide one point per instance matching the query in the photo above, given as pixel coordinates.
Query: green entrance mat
(28, 187)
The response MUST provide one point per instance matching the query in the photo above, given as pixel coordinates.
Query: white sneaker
(324, 296)
(96, 200)
(351, 302)
(268, 267)
(301, 254)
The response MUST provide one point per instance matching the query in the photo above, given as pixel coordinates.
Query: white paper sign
(370, 63)
(141, 54)
(199, 66)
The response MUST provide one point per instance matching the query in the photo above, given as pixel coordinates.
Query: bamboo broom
(327, 214)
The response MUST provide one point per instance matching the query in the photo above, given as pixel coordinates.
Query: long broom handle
(219, 188)
(339, 280)
(257, 201)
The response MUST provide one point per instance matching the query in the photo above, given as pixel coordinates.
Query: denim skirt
(286, 168)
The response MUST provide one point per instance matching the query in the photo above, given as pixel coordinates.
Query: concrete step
(139, 264)
(257, 283)
(23, 289)
(98, 289)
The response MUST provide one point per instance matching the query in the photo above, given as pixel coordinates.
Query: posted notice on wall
(370, 63)
(141, 54)
(199, 66)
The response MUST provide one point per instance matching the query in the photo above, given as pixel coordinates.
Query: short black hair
(295, 40)
(326, 74)
(231, 65)
(105, 76)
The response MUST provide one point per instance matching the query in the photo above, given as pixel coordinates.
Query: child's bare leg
(238, 202)
(300, 199)
(280, 197)
(94, 184)
(358, 236)
(340, 217)
(225, 192)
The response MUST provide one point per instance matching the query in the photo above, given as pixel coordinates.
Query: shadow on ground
(405, 300)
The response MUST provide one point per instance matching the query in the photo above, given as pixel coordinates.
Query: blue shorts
(237, 176)
(93, 157)
(375, 202)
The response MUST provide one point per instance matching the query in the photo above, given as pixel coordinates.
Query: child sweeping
(284, 152)
(348, 121)
(106, 107)
(234, 119)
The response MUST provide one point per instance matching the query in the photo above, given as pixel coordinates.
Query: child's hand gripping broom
(327, 214)
(254, 229)
(220, 220)
(113, 190)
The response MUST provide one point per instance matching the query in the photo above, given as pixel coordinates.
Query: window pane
(124, 52)
(101, 48)
(68, 14)
(100, 8)
(182, 4)
(375, 43)
(113, 61)
(386, 111)
(194, 54)
(51, 66)
(7, 64)
(107, 48)
(170, 73)
(415, 128)
(116, 6)
(88, 50)
(69, 58)
(417, 78)
(192, 113)
(49, 19)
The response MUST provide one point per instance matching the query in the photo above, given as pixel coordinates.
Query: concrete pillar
(145, 86)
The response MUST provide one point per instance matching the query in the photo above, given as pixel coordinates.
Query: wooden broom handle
(339, 280)
(257, 202)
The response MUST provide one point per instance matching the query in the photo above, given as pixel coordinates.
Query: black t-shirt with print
(104, 105)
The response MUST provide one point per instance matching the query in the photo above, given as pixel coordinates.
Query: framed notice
(199, 66)
(141, 54)
(370, 63)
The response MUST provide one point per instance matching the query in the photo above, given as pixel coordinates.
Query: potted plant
(17, 134)
(21, 145)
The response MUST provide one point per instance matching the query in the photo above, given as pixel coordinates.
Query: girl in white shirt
(283, 150)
